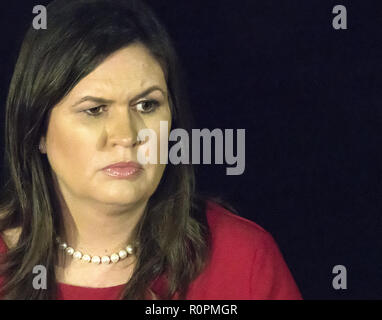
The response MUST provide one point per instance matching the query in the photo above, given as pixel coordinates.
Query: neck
(99, 229)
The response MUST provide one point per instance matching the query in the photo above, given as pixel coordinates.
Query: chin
(121, 196)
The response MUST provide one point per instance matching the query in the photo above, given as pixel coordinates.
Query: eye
(96, 113)
(147, 106)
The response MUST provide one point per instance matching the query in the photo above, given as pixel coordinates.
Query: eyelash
(153, 103)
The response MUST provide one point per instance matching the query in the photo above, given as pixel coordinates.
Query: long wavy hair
(173, 232)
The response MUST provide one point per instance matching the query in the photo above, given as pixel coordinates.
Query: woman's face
(97, 124)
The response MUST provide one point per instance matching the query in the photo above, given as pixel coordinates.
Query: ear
(42, 145)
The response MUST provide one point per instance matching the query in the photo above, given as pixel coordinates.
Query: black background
(309, 99)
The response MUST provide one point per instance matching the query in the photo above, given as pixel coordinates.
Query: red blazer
(246, 264)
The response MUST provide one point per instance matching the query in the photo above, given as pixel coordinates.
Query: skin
(100, 212)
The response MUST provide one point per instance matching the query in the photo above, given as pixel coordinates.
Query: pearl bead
(96, 260)
(86, 258)
(114, 257)
(129, 249)
(122, 254)
(105, 260)
(77, 255)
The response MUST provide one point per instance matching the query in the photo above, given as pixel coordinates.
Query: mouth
(123, 170)
(130, 164)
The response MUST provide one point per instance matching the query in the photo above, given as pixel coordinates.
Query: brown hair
(173, 231)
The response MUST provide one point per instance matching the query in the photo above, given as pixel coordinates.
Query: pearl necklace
(77, 255)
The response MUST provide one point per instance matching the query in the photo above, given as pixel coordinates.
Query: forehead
(131, 67)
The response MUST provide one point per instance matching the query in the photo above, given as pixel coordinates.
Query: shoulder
(8, 237)
(242, 244)
(11, 236)
(234, 238)
(228, 226)
(244, 251)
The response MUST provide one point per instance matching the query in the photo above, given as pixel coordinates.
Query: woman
(77, 201)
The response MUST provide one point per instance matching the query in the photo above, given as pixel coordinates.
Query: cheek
(155, 171)
(157, 144)
(67, 151)
(154, 174)
(155, 125)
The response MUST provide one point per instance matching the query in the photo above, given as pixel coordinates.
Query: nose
(122, 130)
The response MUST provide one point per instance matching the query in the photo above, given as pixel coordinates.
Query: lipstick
(123, 170)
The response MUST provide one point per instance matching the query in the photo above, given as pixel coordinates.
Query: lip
(130, 164)
(123, 170)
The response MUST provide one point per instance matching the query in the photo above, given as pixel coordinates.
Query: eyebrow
(108, 101)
